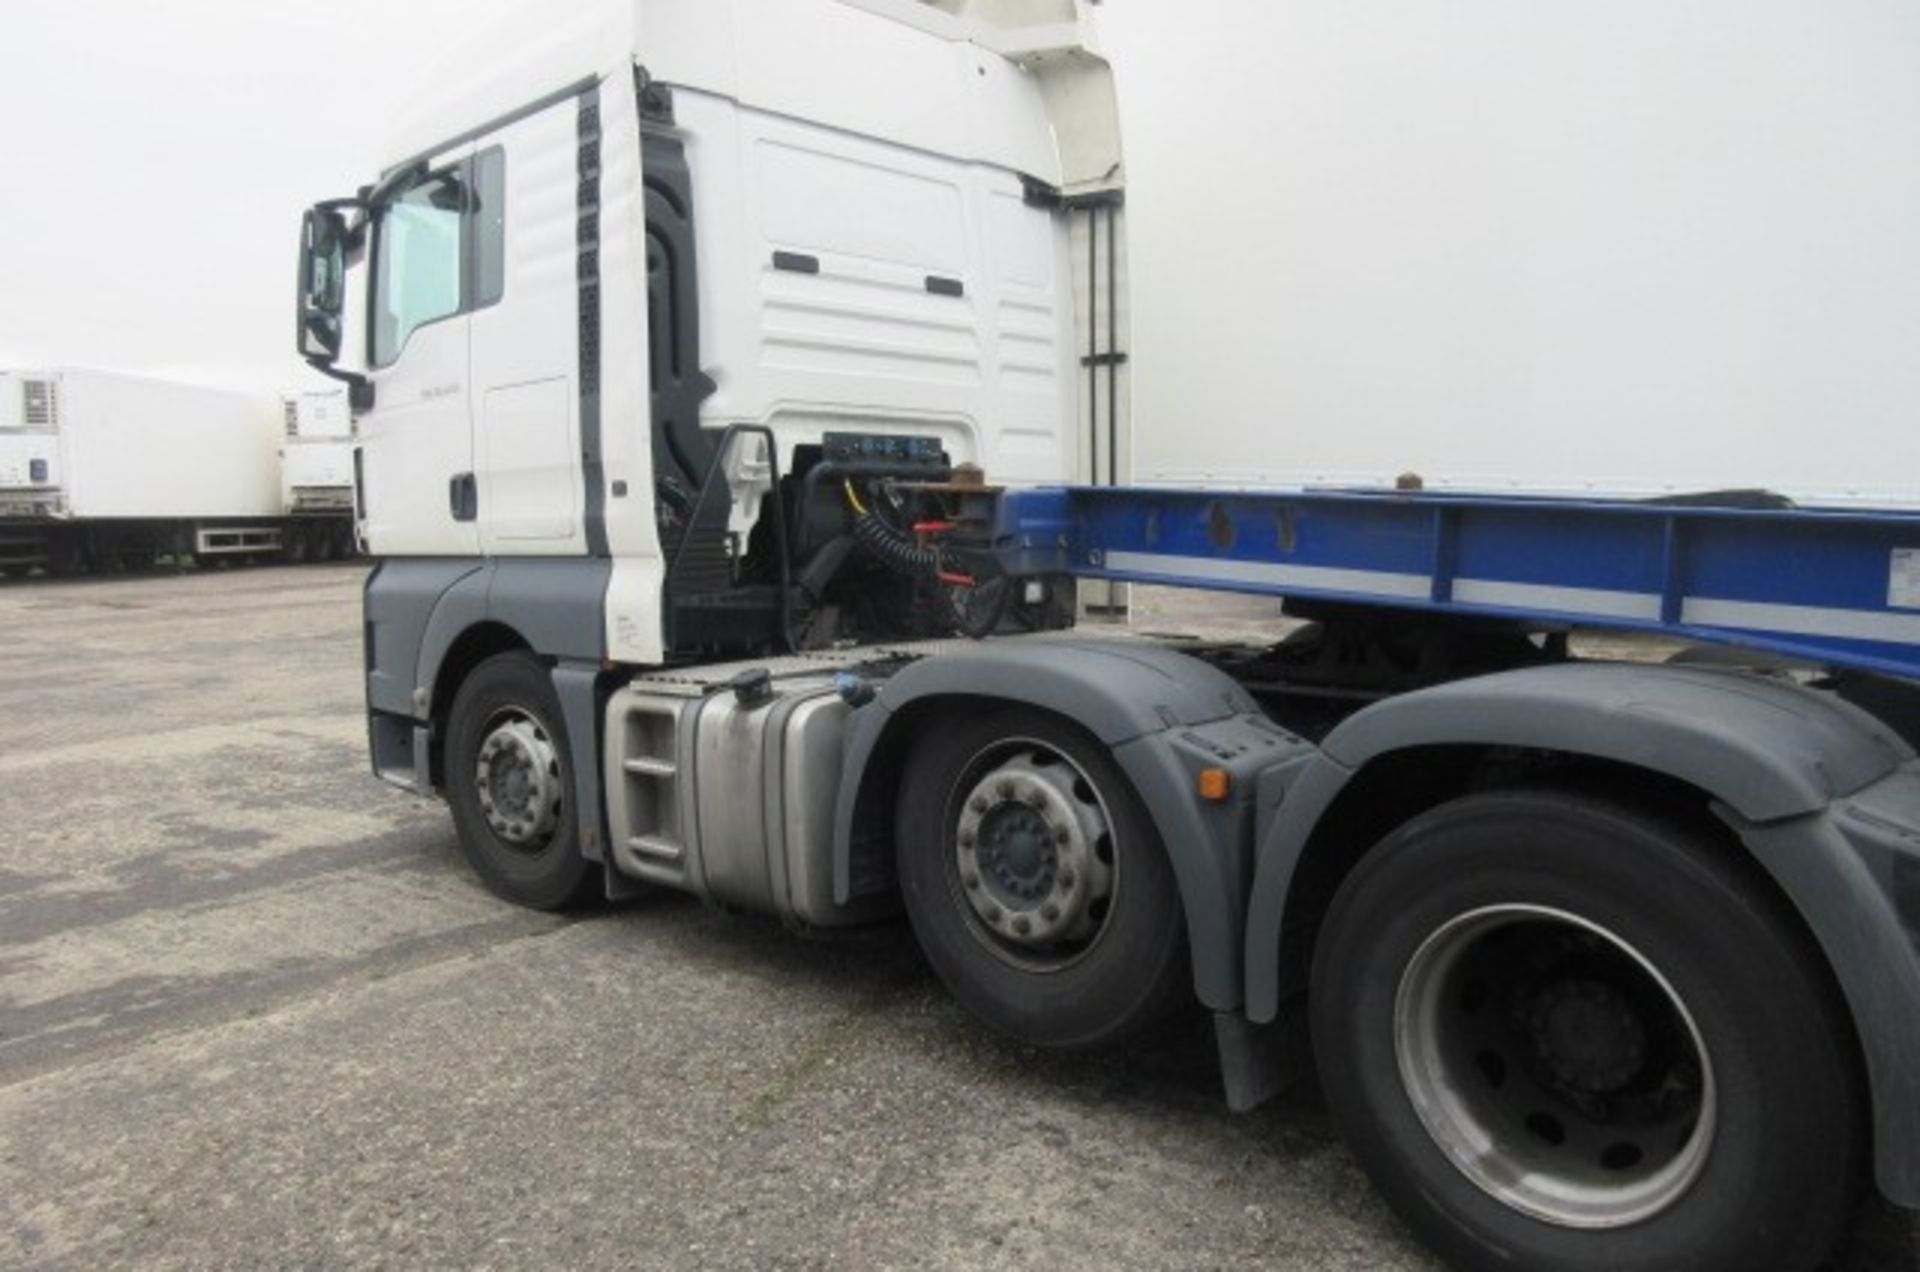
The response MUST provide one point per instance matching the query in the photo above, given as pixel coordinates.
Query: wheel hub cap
(1029, 851)
(518, 779)
(1587, 1035)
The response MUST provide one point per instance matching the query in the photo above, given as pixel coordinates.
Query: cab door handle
(463, 497)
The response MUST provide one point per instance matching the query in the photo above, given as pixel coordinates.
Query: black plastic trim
(587, 238)
(656, 99)
(796, 262)
(682, 449)
(945, 286)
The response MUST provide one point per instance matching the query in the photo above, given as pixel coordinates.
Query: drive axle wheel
(1565, 1037)
(509, 781)
(1036, 883)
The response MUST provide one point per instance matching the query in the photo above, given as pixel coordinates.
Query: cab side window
(417, 269)
(439, 251)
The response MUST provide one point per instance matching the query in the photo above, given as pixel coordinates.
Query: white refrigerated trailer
(680, 332)
(316, 475)
(104, 471)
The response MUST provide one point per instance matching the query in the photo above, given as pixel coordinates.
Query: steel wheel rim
(1542, 1132)
(1031, 858)
(520, 781)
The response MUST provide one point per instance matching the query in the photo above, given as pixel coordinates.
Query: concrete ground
(254, 1011)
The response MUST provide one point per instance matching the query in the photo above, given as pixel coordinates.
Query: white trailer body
(1632, 249)
(316, 455)
(126, 447)
(106, 470)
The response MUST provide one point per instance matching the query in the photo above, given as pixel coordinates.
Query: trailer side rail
(1834, 587)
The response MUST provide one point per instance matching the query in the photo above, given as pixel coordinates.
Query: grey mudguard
(402, 600)
(417, 610)
(559, 606)
(1813, 786)
(1854, 872)
(1162, 714)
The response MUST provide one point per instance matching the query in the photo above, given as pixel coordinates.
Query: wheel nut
(971, 879)
(978, 804)
(1066, 878)
(1051, 913)
(1021, 926)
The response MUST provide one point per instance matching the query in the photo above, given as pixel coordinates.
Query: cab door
(417, 441)
(526, 336)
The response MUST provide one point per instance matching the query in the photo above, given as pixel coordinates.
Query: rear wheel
(509, 777)
(1564, 1037)
(1036, 883)
(64, 557)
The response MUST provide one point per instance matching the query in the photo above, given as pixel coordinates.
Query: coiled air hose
(906, 555)
(895, 549)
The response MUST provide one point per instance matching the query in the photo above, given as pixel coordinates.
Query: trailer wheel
(510, 784)
(64, 557)
(1564, 1037)
(1036, 883)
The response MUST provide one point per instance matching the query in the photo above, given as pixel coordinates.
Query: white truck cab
(681, 216)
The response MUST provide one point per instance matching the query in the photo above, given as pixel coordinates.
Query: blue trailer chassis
(1834, 587)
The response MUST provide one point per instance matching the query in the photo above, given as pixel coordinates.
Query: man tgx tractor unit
(740, 387)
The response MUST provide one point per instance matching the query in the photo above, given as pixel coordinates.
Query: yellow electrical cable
(859, 508)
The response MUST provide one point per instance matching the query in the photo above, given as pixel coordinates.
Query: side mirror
(322, 279)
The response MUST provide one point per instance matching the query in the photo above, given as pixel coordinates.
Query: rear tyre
(1564, 1037)
(509, 777)
(65, 560)
(1036, 883)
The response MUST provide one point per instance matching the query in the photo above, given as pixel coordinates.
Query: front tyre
(509, 778)
(1563, 1037)
(1036, 882)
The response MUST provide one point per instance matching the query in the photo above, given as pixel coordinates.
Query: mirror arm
(359, 388)
(371, 197)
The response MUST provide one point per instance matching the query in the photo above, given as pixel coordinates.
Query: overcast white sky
(154, 159)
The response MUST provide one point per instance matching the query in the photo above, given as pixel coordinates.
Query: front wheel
(1563, 1037)
(509, 777)
(1036, 882)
